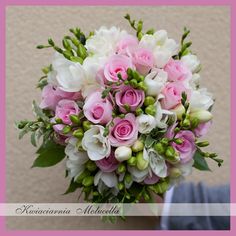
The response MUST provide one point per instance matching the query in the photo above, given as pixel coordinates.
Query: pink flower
(127, 95)
(172, 95)
(96, 109)
(51, 95)
(124, 132)
(143, 60)
(127, 45)
(65, 108)
(202, 129)
(177, 71)
(117, 64)
(108, 164)
(151, 180)
(187, 149)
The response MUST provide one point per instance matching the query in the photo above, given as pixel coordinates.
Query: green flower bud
(146, 196)
(22, 124)
(86, 125)
(202, 144)
(175, 172)
(178, 141)
(121, 168)
(79, 133)
(201, 115)
(132, 161)
(91, 166)
(80, 178)
(58, 120)
(121, 186)
(165, 141)
(126, 82)
(159, 147)
(75, 119)
(137, 146)
(141, 163)
(135, 75)
(179, 111)
(171, 155)
(149, 100)
(95, 194)
(142, 86)
(186, 123)
(128, 178)
(82, 51)
(150, 110)
(66, 129)
(194, 122)
(66, 44)
(139, 111)
(133, 83)
(88, 181)
(127, 107)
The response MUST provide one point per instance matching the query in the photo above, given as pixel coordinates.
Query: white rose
(191, 61)
(138, 175)
(75, 163)
(156, 162)
(155, 81)
(104, 41)
(201, 99)
(96, 145)
(123, 153)
(146, 123)
(104, 180)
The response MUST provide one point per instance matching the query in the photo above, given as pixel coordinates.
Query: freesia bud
(159, 148)
(75, 119)
(201, 115)
(79, 133)
(150, 110)
(121, 186)
(149, 100)
(132, 161)
(88, 181)
(91, 166)
(179, 111)
(121, 168)
(137, 146)
(123, 153)
(66, 129)
(86, 125)
(141, 163)
(171, 155)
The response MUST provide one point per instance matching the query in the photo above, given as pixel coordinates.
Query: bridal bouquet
(126, 112)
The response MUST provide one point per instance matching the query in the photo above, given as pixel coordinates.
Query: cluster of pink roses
(124, 95)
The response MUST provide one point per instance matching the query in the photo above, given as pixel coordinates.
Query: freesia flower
(191, 61)
(146, 123)
(108, 164)
(96, 145)
(127, 45)
(202, 129)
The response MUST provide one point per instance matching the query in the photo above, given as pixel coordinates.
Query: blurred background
(29, 26)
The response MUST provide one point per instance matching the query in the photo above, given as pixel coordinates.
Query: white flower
(155, 81)
(201, 115)
(201, 99)
(96, 145)
(157, 163)
(76, 159)
(191, 61)
(138, 175)
(162, 47)
(104, 41)
(195, 81)
(104, 180)
(146, 123)
(123, 153)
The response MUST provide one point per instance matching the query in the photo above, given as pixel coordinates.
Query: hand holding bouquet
(125, 111)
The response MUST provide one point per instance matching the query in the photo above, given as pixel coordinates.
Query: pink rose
(127, 45)
(117, 64)
(202, 129)
(143, 60)
(172, 95)
(96, 109)
(51, 95)
(108, 164)
(65, 108)
(124, 132)
(187, 149)
(127, 95)
(177, 71)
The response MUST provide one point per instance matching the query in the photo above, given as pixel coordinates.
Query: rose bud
(123, 153)
(141, 162)
(137, 146)
(201, 115)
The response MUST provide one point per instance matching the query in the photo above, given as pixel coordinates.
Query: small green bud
(126, 82)
(76, 59)
(128, 178)
(127, 107)
(82, 51)
(79, 133)
(178, 141)
(86, 125)
(139, 111)
(141, 163)
(212, 155)
(88, 181)
(133, 83)
(121, 168)
(121, 186)
(50, 42)
(132, 161)
(186, 123)
(146, 196)
(150, 110)
(91, 166)
(130, 72)
(58, 120)
(66, 44)
(179, 111)
(137, 146)
(140, 26)
(194, 122)
(66, 129)
(95, 194)
(80, 178)
(165, 141)
(171, 155)
(75, 119)
(202, 144)
(22, 124)
(149, 100)
(142, 86)
(159, 147)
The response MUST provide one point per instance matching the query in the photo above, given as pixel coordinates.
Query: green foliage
(200, 162)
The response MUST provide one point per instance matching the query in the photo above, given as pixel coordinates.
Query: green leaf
(149, 141)
(33, 139)
(50, 154)
(200, 162)
(39, 112)
(72, 187)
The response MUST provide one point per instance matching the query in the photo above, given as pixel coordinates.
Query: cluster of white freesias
(124, 91)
